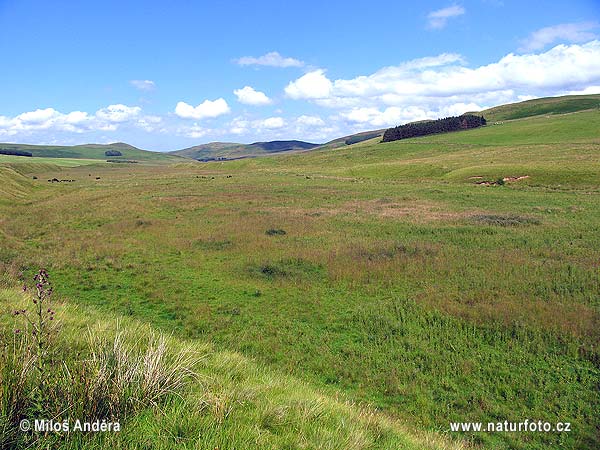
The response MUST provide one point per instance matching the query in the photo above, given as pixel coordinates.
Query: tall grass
(100, 378)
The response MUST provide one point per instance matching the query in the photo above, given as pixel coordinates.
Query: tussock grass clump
(288, 268)
(119, 377)
(212, 244)
(391, 250)
(511, 220)
(275, 232)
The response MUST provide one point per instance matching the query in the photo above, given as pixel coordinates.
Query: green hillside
(91, 151)
(232, 150)
(353, 139)
(540, 106)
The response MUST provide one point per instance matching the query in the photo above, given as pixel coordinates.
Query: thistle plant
(40, 320)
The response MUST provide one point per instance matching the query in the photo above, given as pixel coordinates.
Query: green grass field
(89, 152)
(398, 283)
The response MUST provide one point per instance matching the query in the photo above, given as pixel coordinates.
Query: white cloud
(194, 131)
(310, 120)
(311, 85)
(143, 85)
(49, 120)
(118, 113)
(273, 59)
(244, 126)
(206, 109)
(392, 115)
(439, 18)
(249, 96)
(442, 85)
(566, 32)
(45, 119)
(587, 91)
(149, 123)
(272, 123)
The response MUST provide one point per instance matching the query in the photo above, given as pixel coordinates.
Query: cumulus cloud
(50, 120)
(44, 119)
(249, 96)
(310, 120)
(143, 85)
(311, 85)
(273, 59)
(443, 85)
(118, 113)
(566, 32)
(149, 123)
(439, 18)
(245, 126)
(272, 123)
(194, 131)
(587, 91)
(206, 109)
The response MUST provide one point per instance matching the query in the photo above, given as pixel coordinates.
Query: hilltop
(233, 150)
(541, 106)
(91, 151)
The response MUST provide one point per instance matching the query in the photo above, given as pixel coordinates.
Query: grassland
(91, 152)
(543, 106)
(399, 282)
(231, 403)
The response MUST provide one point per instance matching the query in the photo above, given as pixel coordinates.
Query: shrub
(113, 153)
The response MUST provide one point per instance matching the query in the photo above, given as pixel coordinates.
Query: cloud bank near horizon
(423, 88)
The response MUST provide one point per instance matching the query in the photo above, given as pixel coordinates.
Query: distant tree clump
(113, 153)
(14, 152)
(416, 129)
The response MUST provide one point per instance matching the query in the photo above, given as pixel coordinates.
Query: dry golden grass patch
(411, 210)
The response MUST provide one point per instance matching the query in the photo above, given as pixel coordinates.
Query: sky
(169, 75)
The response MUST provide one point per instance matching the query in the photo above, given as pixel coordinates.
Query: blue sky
(167, 75)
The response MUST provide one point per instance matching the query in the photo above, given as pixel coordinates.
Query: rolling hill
(233, 150)
(529, 108)
(541, 106)
(91, 151)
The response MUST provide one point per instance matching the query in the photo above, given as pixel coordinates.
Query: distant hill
(542, 106)
(90, 151)
(353, 139)
(233, 150)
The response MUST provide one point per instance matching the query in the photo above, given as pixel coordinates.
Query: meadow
(403, 278)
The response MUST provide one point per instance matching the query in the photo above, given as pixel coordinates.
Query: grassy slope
(235, 403)
(539, 106)
(536, 146)
(387, 286)
(235, 150)
(91, 151)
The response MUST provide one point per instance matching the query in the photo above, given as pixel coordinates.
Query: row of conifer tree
(425, 128)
